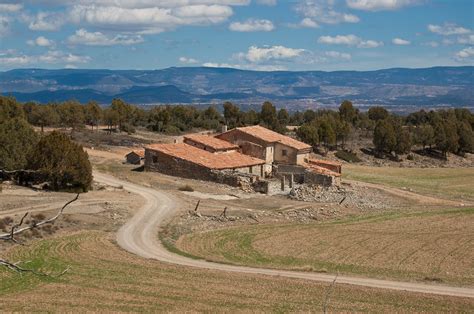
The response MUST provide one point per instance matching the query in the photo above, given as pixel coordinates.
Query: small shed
(135, 157)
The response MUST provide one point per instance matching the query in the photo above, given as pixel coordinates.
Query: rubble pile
(351, 196)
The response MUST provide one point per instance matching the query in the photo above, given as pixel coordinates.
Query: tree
(43, 115)
(93, 114)
(268, 116)
(17, 139)
(283, 117)
(231, 115)
(384, 136)
(377, 113)
(64, 163)
(326, 133)
(71, 114)
(347, 112)
(123, 111)
(343, 130)
(404, 141)
(111, 118)
(10, 109)
(308, 133)
(424, 135)
(466, 137)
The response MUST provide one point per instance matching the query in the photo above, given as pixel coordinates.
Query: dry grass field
(420, 246)
(104, 278)
(447, 183)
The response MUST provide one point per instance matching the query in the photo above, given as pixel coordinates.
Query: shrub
(62, 162)
(347, 156)
(186, 188)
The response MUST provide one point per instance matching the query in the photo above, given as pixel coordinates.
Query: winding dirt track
(140, 236)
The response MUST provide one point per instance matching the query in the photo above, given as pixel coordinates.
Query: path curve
(140, 236)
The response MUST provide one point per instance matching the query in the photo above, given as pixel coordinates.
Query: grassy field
(449, 183)
(422, 246)
(104, 278)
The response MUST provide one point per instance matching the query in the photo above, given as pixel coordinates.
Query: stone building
(243, 156)
(268, 145)
(188, 161)
(135, 157)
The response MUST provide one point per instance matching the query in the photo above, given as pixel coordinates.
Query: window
(284, 152)
(155, 159)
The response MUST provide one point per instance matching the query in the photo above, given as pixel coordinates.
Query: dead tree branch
(16, 229)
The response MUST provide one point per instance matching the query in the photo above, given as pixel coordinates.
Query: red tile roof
(211, 141)
(228, 160)
(321, 170)
(323, 161)
(270, 136)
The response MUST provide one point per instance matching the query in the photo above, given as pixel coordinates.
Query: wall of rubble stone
(166, 164)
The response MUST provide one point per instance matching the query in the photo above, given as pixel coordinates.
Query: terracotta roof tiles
(211, 141)
(273, 137)
(228, 160)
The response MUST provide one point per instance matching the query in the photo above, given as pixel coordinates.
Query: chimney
(224, 128)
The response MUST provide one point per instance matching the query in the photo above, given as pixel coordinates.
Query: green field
(420, 246)
(448, 183)
(103, 278)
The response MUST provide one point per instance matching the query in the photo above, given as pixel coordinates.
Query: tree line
(447, 131)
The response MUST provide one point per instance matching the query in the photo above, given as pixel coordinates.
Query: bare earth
(139, 237)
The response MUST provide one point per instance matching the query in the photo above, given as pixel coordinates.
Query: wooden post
(291, 181)
(283, 182)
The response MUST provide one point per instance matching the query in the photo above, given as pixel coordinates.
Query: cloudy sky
(246, 34)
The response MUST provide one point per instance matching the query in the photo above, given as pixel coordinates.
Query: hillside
(399, 87)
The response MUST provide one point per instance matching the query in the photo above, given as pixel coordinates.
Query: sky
(263, 35)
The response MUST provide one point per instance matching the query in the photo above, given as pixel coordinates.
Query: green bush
(62, 162)
(347, 156)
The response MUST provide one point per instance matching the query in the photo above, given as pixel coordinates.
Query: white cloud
(153, 19)
(323, 11)
(338, 55)
(188, 60)
(262, 54)
(448, 29)
(252, 25)
(10, 7)
(400, 42)
(466, 40)
(41, 41)
(255, 67)
(83, 37)
(267, 2)
(309, 23)
(12, 58)
(46, 21)
(378, 5)
(466, 54)
(349, 40)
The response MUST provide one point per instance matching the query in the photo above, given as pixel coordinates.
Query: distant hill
(452, 86)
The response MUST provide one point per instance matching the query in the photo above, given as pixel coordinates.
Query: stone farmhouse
(252, 157)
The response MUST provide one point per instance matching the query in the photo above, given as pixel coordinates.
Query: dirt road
(140, 236)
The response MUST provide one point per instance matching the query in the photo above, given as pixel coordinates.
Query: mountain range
(437, 86)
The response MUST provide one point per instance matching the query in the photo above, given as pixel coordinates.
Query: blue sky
(247, 34)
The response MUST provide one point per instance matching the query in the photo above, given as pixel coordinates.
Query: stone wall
(166, 164)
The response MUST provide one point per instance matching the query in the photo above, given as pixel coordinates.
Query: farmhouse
(268, 145)
(248, 156)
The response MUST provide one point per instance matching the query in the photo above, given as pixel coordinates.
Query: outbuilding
(135, 157)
